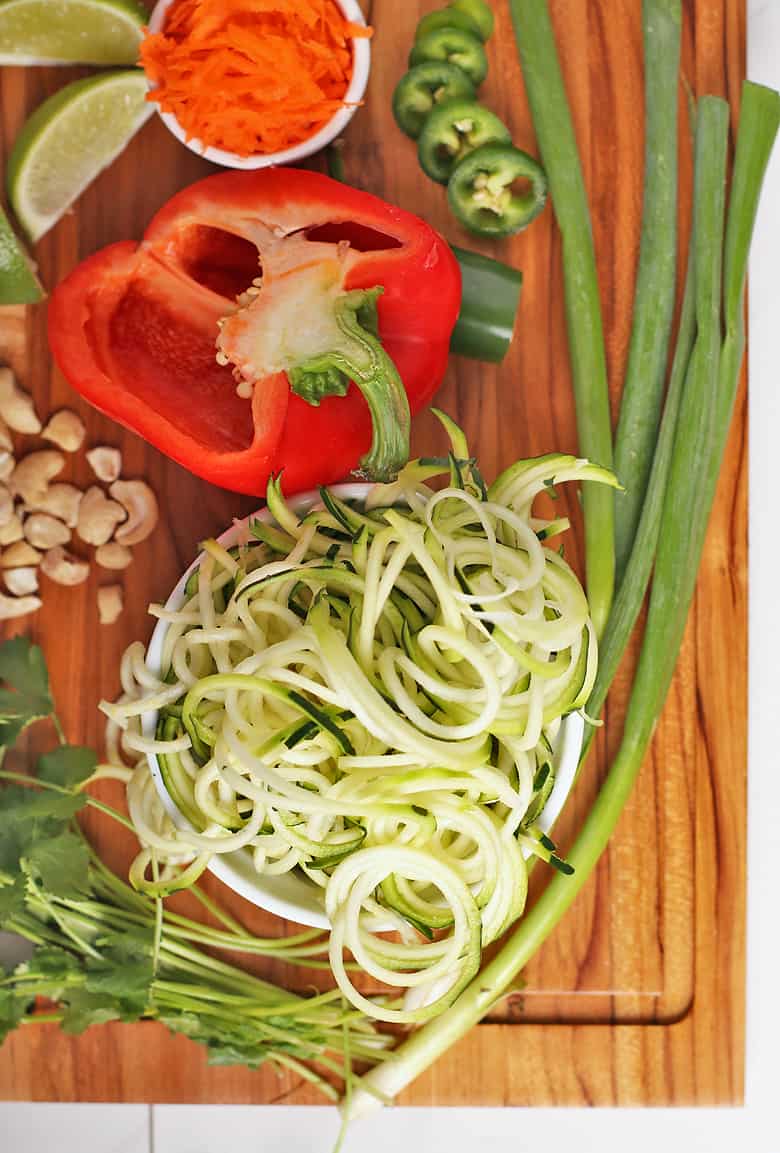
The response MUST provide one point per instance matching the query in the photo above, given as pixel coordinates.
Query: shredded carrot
(251, 76)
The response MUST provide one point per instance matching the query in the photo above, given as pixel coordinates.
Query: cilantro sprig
(107, 953)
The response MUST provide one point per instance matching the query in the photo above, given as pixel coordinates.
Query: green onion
(633, 586)
(558, 147)
(704, 418)
(640, 405)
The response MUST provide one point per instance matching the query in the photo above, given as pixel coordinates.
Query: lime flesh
(70, 31)
(18, 282)
(72, 137)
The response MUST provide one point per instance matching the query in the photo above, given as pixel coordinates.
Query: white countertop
(275, 1129)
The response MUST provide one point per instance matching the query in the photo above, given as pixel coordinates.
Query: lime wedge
(18, 282)
(70, 31)
(66, 142)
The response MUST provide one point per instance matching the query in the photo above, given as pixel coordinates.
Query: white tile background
(224, 1129)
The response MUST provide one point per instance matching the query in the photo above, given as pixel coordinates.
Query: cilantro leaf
(50, 962)
(124, 972)
(27, 698)
(22, 665)
(12, 900)
(30, 816)
(61, 864)
(226, 1043)
(67, 766)
(82, 1009)
(13, 1008)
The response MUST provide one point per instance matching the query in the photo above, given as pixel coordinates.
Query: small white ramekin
(292, 895)
(361, 64)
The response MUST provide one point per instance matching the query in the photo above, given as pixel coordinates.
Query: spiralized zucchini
(370, 695)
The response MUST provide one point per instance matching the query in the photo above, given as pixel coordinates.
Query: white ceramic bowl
(293, 896)
(361, 52)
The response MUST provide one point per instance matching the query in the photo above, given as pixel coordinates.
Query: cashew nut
(5, 437)
(30, 479)
(11, 531)
(98, 516)
(66, 430)
(62, 501)
(7, 464)
(44, 531)
(110, 603)
(141, 505)
(20, 554)
(6, 505)
(63, 568)
(105, 462)
(113, 555)
(11, 607)
(16, 405)
(20, 582)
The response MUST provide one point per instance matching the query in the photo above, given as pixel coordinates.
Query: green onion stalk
(643, 387)
(693, 457)
(558, 147)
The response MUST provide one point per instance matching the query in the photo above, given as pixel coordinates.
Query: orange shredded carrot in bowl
(251, 76)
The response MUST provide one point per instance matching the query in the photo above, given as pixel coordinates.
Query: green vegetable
(643, 387)
(558, 147)
(479, 11)
(445, 18)
(104, 952)
(401, 710)
(480, 190)
(489, 303)
(452, 131)
(425, 86)
(702, 430)
(455, 47)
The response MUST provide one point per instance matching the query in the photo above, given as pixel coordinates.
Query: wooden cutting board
(638, 997)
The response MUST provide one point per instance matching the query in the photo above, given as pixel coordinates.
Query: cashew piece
(6, 505)
(66, 430)
(63, 568)
(20, 554)
(105, 462)
(110, 601)
(11, 607)
(7, 464)
(16, 405)
(20, 582)
(62, 501)
(44, 531)
(98, 516)
(141, 505)
(11, 531)
(113, 555)
(30, 479)
(6, 442)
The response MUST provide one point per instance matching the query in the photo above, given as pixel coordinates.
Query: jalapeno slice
(452, 131)
(423, 88)
(478, 12)
(447, 18)
(480, 190)
(456, 47)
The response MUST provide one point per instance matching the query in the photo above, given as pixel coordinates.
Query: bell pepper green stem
(361, 358)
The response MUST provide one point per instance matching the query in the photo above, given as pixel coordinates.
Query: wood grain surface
(638, 997)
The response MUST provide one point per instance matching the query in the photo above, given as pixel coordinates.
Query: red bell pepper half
(268, 321)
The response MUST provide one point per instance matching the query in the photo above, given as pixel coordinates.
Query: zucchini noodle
(370, 695)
